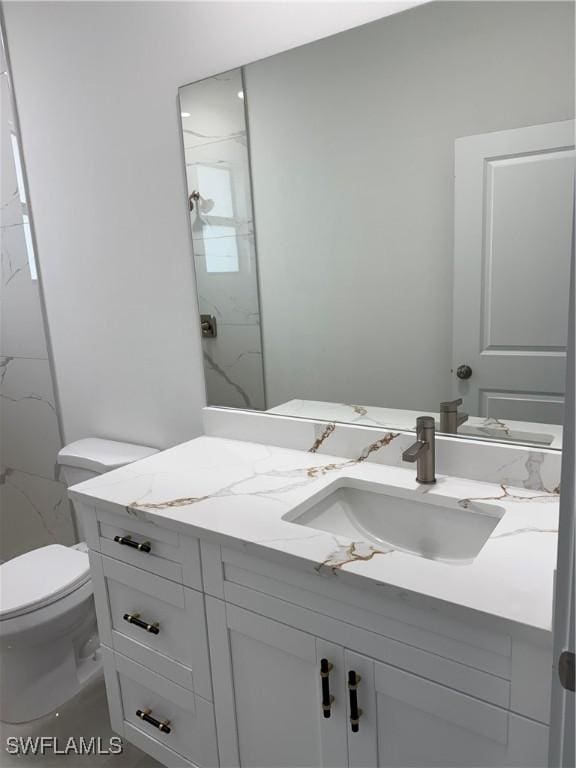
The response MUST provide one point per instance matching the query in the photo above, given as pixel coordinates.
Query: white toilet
(49, 645)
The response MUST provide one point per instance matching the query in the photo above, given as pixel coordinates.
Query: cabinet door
(410, 721)
(268, 692)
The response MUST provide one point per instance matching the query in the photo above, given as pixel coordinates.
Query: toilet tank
(85, 459)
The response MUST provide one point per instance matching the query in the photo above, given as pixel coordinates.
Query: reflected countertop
(524, 432)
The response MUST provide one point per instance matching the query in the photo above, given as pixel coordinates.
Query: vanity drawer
(189, 731)
(166, 553)
(261, 585)
(154, 621)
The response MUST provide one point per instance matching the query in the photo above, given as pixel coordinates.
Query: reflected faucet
(423, 450)
(450, 419)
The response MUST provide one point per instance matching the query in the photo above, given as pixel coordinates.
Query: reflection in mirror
(407, 187)
(221, 221)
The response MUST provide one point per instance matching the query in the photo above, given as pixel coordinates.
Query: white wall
(352, 148)
(96, 87)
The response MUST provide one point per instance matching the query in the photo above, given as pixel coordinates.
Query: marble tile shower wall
(217, 166)
(34, 510)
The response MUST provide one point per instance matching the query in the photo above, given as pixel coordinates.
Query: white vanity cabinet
(269, 706)
(432, 691)
(235, 666)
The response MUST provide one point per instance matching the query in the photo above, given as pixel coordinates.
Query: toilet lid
(40, 577)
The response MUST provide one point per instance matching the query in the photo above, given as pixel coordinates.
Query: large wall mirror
(382, 220)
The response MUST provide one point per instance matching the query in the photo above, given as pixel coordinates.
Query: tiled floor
(86, 715)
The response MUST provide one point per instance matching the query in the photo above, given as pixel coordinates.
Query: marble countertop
(487, 428)
(236, 493)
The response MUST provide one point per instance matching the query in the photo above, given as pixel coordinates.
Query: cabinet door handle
(327, 700)
(355, 713)
(162, 725)
(128, 541)
(134, 618)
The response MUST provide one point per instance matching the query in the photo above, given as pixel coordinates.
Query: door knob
(463, 371)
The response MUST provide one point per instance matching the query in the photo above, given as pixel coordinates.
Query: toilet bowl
(49, 648)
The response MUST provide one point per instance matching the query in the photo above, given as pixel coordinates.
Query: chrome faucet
(450, 419)
(422, 451)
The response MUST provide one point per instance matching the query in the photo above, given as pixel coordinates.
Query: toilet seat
(40, 578)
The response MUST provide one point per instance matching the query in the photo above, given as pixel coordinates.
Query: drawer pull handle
(128, 541)
(134, 618)
(355, 713)
(162, 725)
(327, 700)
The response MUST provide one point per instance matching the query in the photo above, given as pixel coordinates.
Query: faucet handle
(412, 453)
(450, 405)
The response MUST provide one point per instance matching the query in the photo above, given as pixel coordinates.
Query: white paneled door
(513, 223)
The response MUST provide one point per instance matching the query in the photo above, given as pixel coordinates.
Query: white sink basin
(431, 526)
